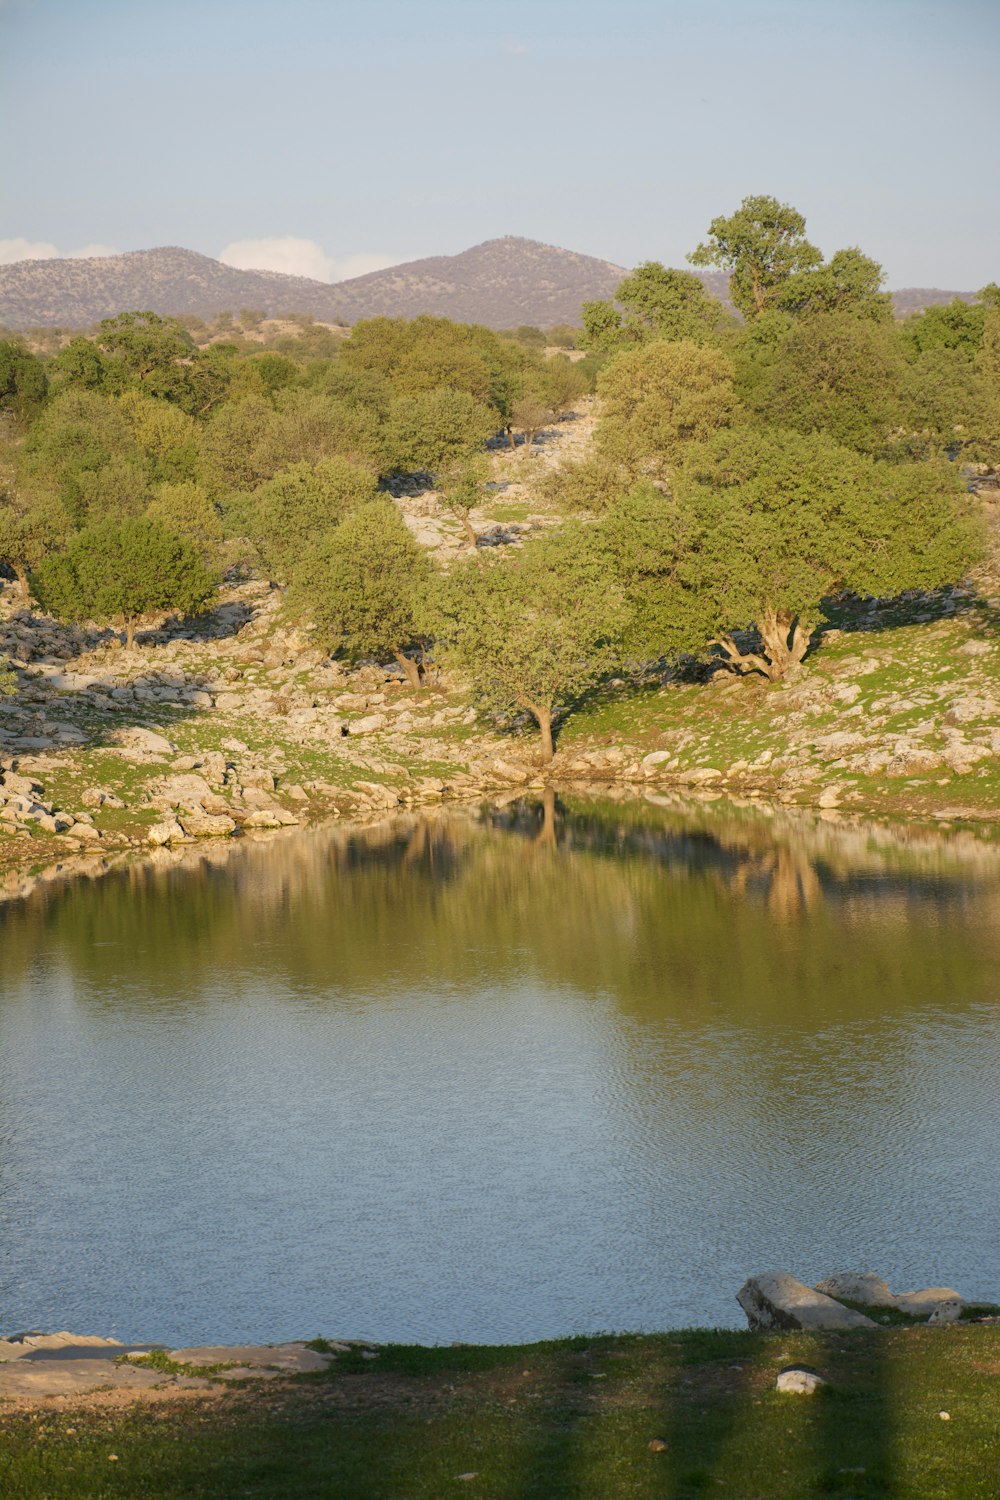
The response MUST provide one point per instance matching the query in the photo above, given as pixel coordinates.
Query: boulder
(858, 1286)
(799, 1382)
(777, 1300)
(922, 1303)
(135, 738)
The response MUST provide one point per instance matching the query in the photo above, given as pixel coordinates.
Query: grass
(570, 1420)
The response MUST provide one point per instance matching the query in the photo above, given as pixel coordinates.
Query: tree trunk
(786, 640)
(21, 573)
(470, 531)
(129, 632)
(411, 670)
(544, 718)
(511, 439)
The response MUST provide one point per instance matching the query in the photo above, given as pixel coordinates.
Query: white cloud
(22, 249)
(295, 257)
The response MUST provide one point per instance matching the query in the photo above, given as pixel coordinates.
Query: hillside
(501, 283)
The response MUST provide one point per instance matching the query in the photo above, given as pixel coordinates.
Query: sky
(332, 137)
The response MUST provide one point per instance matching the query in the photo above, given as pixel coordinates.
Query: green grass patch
(566, 1420)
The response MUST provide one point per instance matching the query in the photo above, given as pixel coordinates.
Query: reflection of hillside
(669, 910)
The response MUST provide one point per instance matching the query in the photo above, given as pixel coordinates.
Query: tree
(656, 303)
(29, 531)
(461, 488)
(431, 430)
(778, 521)
(657, 399)
(121, 570)
(23, 382)
(166, 434)
(148, 348)
(954, 325)
(302, 504)
(849, 282)
(831, 372)
(761, 245)
(534, 629)
(951, 405)
(363, 587)
(74, 440)
(185, 509)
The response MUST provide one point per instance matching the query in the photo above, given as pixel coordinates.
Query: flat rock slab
(777, 1300)
(260, 1360)
(72, 1377)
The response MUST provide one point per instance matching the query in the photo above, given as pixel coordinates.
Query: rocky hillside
(501, 283)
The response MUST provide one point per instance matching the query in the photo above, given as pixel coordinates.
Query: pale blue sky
(390, 129)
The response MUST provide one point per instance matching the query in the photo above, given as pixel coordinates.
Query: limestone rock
(799, 1382)
(777, 1300)
(858, 1286)
(947, 1312)
(922, 1303)
(167, 832)
(135, 738)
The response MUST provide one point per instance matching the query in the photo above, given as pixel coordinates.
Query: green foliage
(656, 303)
(533, 630)
(81, 364)
(761, 245)
(302, 504)
(954, 325)
(23, 382)
(591, 483)
(147, 348)
(830, 372)
(430, 430)
(951, 404)
(185, 509)
(29, 531)
(779, 521)
(563, 336)
(166, 435)
(79, 436)
(423, 354)
(363, 585)
(657, 399)
(461, 489)
(120, 570)
(850, 282)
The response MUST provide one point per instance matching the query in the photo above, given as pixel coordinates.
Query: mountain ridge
(501, 282)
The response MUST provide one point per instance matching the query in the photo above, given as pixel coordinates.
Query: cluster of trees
(194, 456)
(745, 471)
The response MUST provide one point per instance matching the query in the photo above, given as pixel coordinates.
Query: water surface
(498, 1077)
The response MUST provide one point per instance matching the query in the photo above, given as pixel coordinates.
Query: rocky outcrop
(777, 1300)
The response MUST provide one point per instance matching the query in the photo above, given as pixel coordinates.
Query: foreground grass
(554, 1421)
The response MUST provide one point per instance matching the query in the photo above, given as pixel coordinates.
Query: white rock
(799, 1382)
(777, 1300)
(135, 738)
(947, 1312)
(922, 1303)
(858, 1286)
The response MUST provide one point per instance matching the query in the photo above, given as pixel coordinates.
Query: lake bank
(681, 1414)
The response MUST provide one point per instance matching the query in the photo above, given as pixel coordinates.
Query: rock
(947, 1312)
(975, 648)
(858, 1286)
(370, 724)
(923, 1302)
(167, 832)
(777, 1300)
(656, 1445)
(202, 825)
(135, 738)
(799, 1382)
(257, 1359)
(655, 758)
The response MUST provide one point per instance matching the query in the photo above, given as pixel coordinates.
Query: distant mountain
(502, 283)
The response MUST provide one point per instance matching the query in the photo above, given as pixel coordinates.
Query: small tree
(654, 303)
(302, 504)
(849, 282)
(28, 533)
(761, 245)
(363, 587)
(461, 488)
(657, 399)
(121, 570)
(431, 430)
(534, 630)
(23, 382)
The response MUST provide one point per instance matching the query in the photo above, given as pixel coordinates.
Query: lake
(499, 1075)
